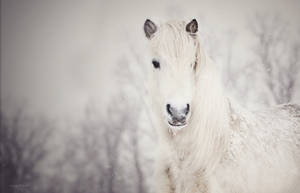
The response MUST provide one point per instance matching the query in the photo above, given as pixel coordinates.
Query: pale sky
(57, 55)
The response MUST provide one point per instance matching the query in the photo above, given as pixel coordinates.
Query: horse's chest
(183, 174)
(180, 158)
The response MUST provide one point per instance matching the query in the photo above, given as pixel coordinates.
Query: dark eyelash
(155, 64)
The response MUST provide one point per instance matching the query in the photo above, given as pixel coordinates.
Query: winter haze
(72, 83)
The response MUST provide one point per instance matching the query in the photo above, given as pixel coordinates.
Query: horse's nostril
(187, 109)
(168, 109)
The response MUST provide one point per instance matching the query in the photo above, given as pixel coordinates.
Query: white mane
(224, 148)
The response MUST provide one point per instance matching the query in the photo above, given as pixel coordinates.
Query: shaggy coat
(223, 148)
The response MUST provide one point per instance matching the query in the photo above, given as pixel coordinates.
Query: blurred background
(74, 113)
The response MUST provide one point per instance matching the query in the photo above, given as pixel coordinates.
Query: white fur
(223, 148)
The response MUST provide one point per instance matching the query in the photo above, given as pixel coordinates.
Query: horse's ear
(149, 28)
(192, 27)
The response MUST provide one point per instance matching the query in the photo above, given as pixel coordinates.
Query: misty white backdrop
(72, 76)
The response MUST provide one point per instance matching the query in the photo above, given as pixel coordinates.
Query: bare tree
(94, 154)
(292, 72)
(113, 131)
(22, 148)
(278, 54)
(141, 186)
(81, 166)
(126, 108)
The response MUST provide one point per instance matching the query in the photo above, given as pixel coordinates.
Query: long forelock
(174, 42)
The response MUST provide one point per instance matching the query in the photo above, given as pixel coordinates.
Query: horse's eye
(195, 65)
(155, 64)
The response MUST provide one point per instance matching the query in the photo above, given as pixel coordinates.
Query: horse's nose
(178, 114)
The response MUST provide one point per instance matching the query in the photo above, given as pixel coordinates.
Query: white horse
(207, 143)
